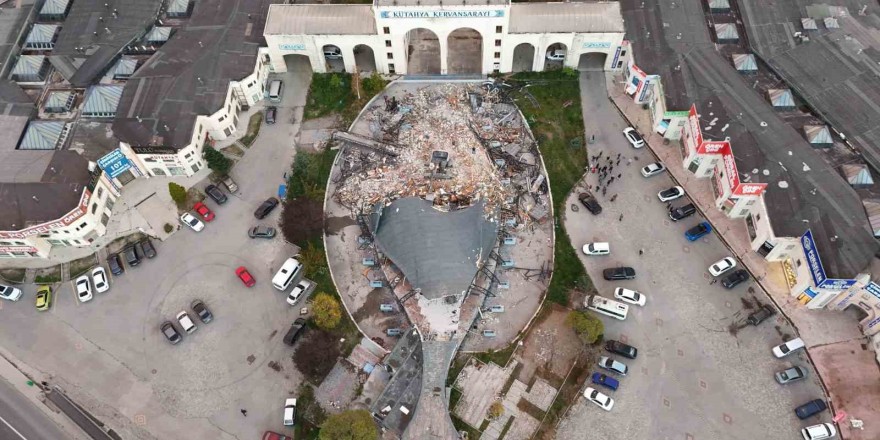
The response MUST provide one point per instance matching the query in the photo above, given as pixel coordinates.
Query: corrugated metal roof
(178, 6)
(781, 97)
(857, 175)
(831, 23)
(719, 5)
(528, 18)
(320, 20)
(42, 33)
(818, 134)
(59, 99)
(745, 62)
(809, 24)
(29, 65)
(872, 208)
(125, 66)
(726, 31)
(54, 7)
(41, 135)
(159, 34)
(101, 100)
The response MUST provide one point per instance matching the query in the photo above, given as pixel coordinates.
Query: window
(623, 53)
(751, 202)
(94, 208)
(110, 203)
(99, 193)
(83, 225)
(497, 55)
(391, 69)
(105, 219)
(387, 43)
(390, 56)
(200, 129)
(187, 155)
(798, 263)
(497, 43)
(758, 217)
(195, 168)
(222, 118)
(228, 131)
(386, 30)
(498, 29)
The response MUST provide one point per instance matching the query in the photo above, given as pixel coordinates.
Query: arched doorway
(333, 58)
(554, 58)
(523, 58)
(464, 53)
(364, 59)
(422, 52)
(592, 61)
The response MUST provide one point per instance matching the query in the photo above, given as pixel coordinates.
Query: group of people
(604, 167)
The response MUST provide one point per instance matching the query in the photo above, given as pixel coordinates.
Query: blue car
(606, 381)
(698, 231)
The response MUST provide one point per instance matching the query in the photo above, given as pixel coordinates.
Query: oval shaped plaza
(443, 235)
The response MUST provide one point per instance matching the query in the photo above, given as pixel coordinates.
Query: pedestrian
(614, 197)
(244, 412)
(618, 155)
(619, 174)
(611, 180)
(713, 281)
(620, 219)
(604, 190)
(629, 161)
(641, 251)
(618, 161)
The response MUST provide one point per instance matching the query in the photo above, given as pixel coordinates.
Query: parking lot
(110, 355)
(699, 373)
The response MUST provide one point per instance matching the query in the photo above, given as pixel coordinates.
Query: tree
(316, 355)
(217, 161)
(178, 193)
(349, 425)
(588, 327)
(326, 311)
(496, 409)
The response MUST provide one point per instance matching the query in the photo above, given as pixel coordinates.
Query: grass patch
(49, 275)
(460, 425)
(458, 364)
(454, 397)
(14, 276)
(530, 409)
(555, 126)
(328, 93)
(82, 265)
(513, 375)
(485, 424)
(310, 414)
(500, 357)
(506, 428)
(254, 124)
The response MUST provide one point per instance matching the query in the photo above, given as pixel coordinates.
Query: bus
(607, 307)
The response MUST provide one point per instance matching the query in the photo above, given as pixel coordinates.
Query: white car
(668, 195)
(819, 432)
(99, 277)
(10, 293)
(600, 248)
(613, 365)
(83, 289)
(188, 325)
(599, 399)
(556, 55)
(192, 222)
(633, 137)
(721, 266)
(297, 291)
(787, 348)
(630, 296)
(289, 412)
(653, 169)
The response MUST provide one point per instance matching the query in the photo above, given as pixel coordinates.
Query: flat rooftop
(439, 2)
(542, 18)
(190, 74)
(12, 22)
(320, 20)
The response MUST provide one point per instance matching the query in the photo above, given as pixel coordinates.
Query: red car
(203, 211)
(245, 276)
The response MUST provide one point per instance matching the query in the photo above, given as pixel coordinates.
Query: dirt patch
(551, 347)
(371, 305)
(14, 276)
(336, 224)
(302, 219)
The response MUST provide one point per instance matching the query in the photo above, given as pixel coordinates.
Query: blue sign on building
(616, 57)
(874, 289)
(813, 261)
(289, 46)
(597, 45)
(114, 163)
(837, 284)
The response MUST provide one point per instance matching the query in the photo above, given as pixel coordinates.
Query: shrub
(168, 228)
(178, 193)
(349, 425)
(495, 410)
(373, 84)
(316, 355)
(326, 310)
(588, 327)
(217, 161)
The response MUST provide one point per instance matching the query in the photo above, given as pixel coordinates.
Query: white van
(276, 87)
(286, 274)
(607, 307)
(333, 53)
(556, 55)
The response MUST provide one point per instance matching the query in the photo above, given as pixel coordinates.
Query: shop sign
(114, 163)
(154, 149)
(874, 289)
(845, 302)
(443, 13)
(10, 249)
(598, 45)
(873, 322)
(676, 114)
(616, 57)
(730, 170)
(714, 147)
(837, 284)
(750, 189)
(817, 272)
(692, 130)
(810, 292)
(292, 46)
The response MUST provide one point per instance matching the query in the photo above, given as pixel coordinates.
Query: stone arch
(592, 61)
(422, 52)
(523, 58)
(364, 58)
(333, 58)
(464, 51)
(552, 54)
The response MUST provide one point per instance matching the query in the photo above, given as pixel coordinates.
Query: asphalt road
(20, 419)
(694, 378)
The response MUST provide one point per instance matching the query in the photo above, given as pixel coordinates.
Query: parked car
(186, 323)
(556, 55)
(266, 208)
(682, 212)
(810, 409)
(269, 435)
(83, 289)
(131, 256)
(599, 248)
(605, 380)
(139, 250)
(612, 365)
(289, 412)
(601, 400)
(625, 350)
(191, 221)
(630, 296)
(296, 330)
(699, 231)
(653, 169)
(633, 137)
(216, 194)
(298, 290)
(170, 332)
(201, 310)
(819, 432)
(115, 264)
(44, 298)
(230, 184)
(10, 293)
(590, 203)
(735, 279)
(668, 195)
(721, 266)
(271, 113)
(245, 276)
(619, 273)
(760, 315)
(99, 277)
(149, 250)
(261, 232)
(788, 347)
(790, 375)
(202, 210)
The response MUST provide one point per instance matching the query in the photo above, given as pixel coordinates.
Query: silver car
(613, 365)
(790, 375)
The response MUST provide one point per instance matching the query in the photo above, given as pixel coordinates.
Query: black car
(139, 250)
(216, 194)
(131, 256)
(266, 208)
(617, 347)
(590, 203)
(296, 330)
(271, 112)
(682, 212)
(735, 279)
(619, 273)
(761, 315)
(115, 264)
(147, 248)
(170, 332)
(810, 409)
(261, 232)
(202, 311)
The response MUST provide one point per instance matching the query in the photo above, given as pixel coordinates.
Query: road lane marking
(13, 429)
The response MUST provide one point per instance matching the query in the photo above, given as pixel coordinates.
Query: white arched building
(468, 36)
